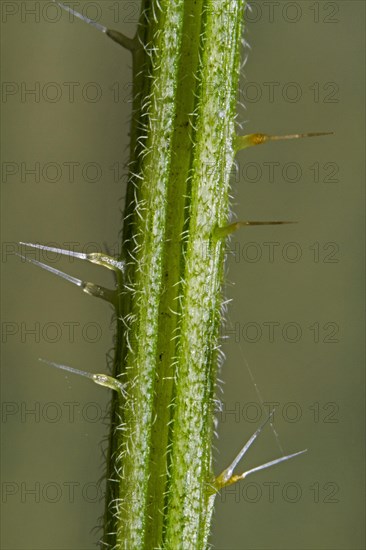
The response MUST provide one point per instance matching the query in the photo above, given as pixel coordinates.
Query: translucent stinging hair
(100, 379)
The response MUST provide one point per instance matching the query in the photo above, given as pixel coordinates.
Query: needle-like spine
(242, 142)
(227, 476)
(91, 289)
(67, 368)
(94, 257)
(100, 379)
(121, 39)
(225, 231)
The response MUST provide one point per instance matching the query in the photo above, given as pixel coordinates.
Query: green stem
(182, 152)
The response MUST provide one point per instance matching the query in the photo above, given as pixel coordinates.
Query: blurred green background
(295, 322)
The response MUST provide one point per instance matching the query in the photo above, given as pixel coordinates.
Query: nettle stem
(160, 484)
(186, 70)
